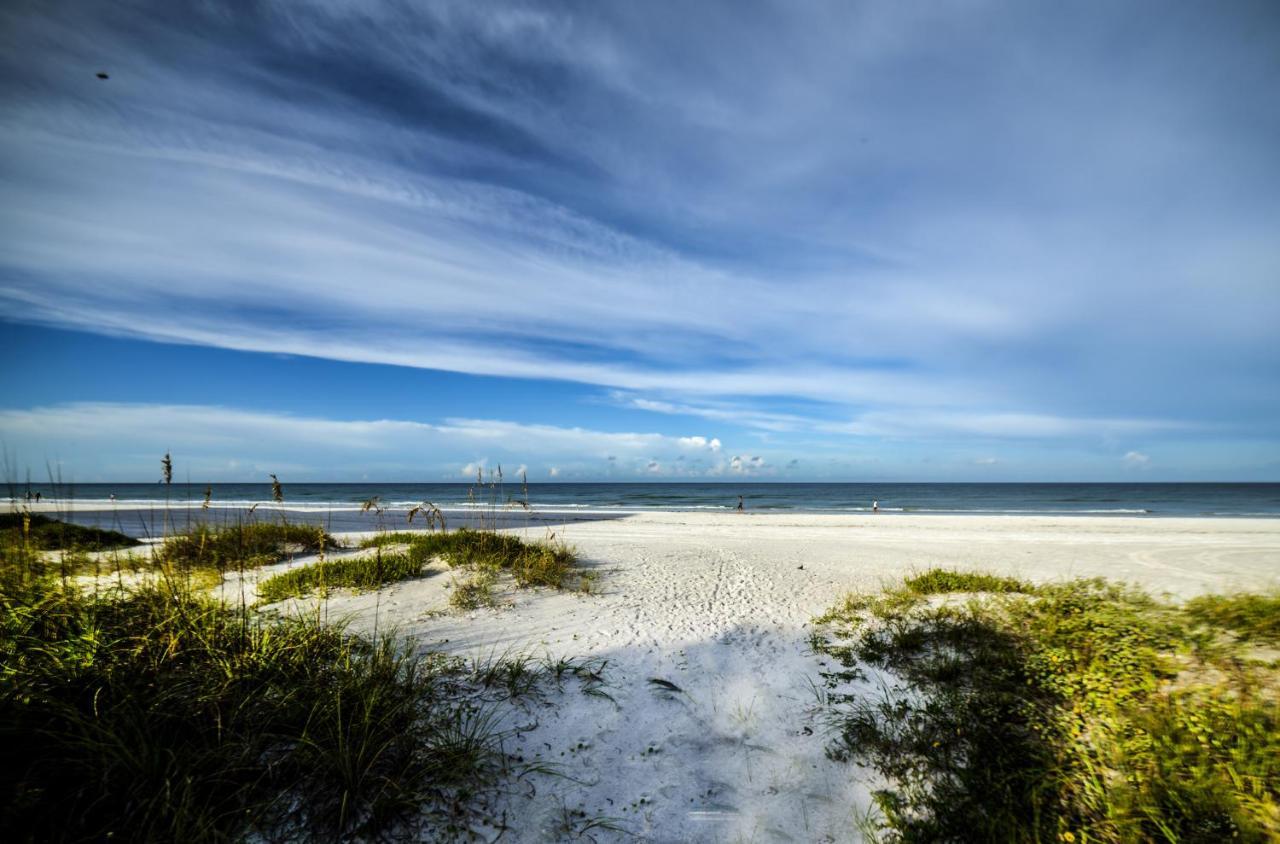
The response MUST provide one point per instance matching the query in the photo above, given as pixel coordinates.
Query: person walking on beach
(875, 506)
(741, 508)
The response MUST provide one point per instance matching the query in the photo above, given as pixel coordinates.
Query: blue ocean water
(1094, 499)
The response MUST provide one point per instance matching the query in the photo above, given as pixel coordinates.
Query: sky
(845, 241)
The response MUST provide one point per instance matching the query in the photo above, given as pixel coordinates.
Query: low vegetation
(368, 572)
(530, 563)
(157, 715)
(42, 533)
(1252, 617)
(474, 592)
(149, 709)
(942, 581)
(241, 545)
(481, 555)
(1082, 711)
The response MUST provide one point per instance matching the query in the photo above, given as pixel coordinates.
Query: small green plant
(473, 592)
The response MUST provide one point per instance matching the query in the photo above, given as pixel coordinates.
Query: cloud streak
(848, 220)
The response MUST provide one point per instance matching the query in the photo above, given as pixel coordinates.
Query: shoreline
(511, 512)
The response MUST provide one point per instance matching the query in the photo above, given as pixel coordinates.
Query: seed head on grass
(431, 514)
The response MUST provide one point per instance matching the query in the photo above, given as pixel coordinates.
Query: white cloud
(1136, 459)
(746, 464)
(794, 231)
(122, 438)
(712, 444)
(995, 425)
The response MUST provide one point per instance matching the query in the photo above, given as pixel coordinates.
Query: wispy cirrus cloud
(842, 220)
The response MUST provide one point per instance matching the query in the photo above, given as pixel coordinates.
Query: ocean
(339, 505)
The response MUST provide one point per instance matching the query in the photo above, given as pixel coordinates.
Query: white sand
(720, 606)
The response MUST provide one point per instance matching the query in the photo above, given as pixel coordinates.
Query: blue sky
(809, 241)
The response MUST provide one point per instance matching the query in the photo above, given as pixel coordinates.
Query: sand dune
(720, 606)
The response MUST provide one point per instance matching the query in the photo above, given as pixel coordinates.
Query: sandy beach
(721, 606)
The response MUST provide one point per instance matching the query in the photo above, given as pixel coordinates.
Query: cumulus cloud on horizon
(112, 440)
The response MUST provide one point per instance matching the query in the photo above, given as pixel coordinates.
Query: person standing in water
(875, 506)
(741, 507)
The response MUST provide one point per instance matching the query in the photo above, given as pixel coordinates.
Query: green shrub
(1082, 711)
(1248, 616)
(941, 581)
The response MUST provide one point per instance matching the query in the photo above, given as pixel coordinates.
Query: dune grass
(151, 710)
(353, 573)
(43, 533)
(156, 715)
(241, 545)
(1083, 711)
(530, 563)
(481, 554)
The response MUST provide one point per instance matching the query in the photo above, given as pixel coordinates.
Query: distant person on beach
(113, 498)
(875, 506)
(741, 507)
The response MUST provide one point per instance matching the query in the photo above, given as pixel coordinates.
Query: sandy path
(720, 606)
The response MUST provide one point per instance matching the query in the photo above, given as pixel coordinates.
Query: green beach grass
(530, 563)
(167, 716)
(151, 710)
(352, 573)
(1084, 711)
(241, 545)
(40, 532)
(481, 554)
